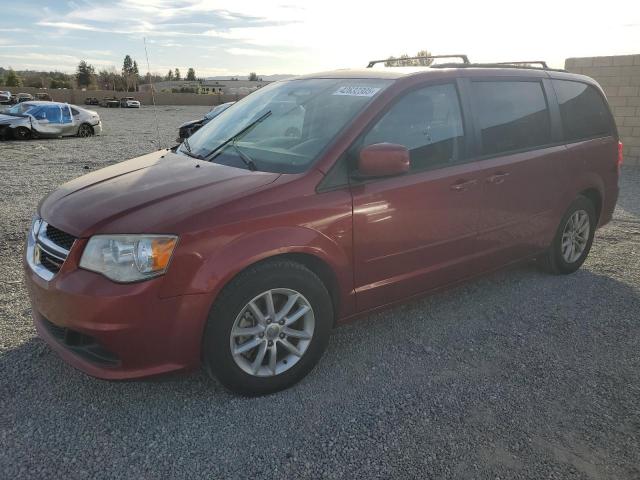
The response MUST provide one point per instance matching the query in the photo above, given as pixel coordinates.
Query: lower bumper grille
(82, 345)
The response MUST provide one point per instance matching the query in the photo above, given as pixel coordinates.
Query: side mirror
(383, 160)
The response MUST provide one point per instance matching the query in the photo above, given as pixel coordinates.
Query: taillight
(620, 156)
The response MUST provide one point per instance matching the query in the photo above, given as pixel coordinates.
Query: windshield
(20, 108)
(303, 117)
(215, 111)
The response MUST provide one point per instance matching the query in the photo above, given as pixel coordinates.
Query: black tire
(22, 133)
(553, 261)
(85, 130)
(216, 350)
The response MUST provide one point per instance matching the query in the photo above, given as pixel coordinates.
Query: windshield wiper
(245, 158)
(187, 149)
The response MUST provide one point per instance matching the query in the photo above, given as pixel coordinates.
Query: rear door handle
(462, 185)
(498, 177)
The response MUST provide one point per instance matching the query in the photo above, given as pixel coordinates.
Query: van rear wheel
(573, 239)
(268, 328)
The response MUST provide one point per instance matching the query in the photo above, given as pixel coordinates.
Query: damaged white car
(48, 119)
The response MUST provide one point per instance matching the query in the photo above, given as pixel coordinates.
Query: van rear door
(518, 166)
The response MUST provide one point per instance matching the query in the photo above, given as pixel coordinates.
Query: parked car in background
(110, 102)
(241, 250)
(129, 102)
(23, 97)
(91, 101)
(189, 128)
(43, 97)
(6, 98)
(48, 119)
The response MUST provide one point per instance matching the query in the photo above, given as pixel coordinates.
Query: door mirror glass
(383, 160)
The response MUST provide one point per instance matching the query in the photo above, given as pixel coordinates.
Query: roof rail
(519, 65)
(542, 63)
(464, 59)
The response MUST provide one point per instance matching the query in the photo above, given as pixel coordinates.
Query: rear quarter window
(583, 111)
(511, 115)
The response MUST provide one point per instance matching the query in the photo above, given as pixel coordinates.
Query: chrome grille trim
(40, 243)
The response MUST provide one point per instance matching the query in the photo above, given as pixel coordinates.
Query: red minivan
(314, 200)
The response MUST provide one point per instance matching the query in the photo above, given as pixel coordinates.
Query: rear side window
(583, 111)
(66, 115)
(511, 115)
(426, 121)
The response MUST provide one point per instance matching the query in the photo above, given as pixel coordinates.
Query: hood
(149, 194)
(190, 123)
(6, 119)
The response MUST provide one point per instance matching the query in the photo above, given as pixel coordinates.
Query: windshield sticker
(357, 91)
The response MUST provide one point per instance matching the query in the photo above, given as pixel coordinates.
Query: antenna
(153, 94)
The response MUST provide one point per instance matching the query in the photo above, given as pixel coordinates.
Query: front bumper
(97, 128)
(116, 331)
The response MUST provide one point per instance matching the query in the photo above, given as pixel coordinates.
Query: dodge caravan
(312, 201)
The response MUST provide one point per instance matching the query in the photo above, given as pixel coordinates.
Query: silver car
(48, 119)
(5, 97)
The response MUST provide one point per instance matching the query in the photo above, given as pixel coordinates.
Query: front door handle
(498, 177)
(462, 185)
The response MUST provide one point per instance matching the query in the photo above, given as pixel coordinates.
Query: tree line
(403, 60)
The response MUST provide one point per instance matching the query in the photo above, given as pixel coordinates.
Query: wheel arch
(595, 197)
(321, 255)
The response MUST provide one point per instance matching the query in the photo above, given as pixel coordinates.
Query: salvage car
(43, 97)
(129, 102)
(6, 98)
(24, 97)
(240, 250)
(48, 119)
(110, 102)
(91, 101)
(189, 128)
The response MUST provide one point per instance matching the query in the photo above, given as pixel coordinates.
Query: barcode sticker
(357, 91)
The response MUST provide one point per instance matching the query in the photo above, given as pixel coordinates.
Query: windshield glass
(20, 108)
(300, 118)
(215, 111)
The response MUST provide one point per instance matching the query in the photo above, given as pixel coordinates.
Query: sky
(235, 37)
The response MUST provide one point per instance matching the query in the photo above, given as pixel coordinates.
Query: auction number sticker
(354, 91)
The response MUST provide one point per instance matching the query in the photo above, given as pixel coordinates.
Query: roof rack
(464, 58)
(521, 65)
(542, 63)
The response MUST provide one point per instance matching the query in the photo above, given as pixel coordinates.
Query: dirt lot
(517, 375)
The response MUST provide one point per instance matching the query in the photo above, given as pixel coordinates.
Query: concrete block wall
(619, 76)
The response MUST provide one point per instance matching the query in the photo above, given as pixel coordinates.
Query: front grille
(82, 345)
(48, 261)
(59, 237)
(52, 247)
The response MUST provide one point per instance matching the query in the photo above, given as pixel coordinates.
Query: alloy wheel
(272, 332)
(575, 236)
(84, 131)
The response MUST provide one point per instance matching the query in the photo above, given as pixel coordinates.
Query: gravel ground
(517, 375)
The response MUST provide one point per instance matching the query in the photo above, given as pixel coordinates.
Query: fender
(210, 271)
(586, 181)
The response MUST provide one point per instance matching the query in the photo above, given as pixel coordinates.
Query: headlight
(128, 258)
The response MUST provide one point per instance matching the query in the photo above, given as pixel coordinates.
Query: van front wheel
(268, 328)
(573, 239)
